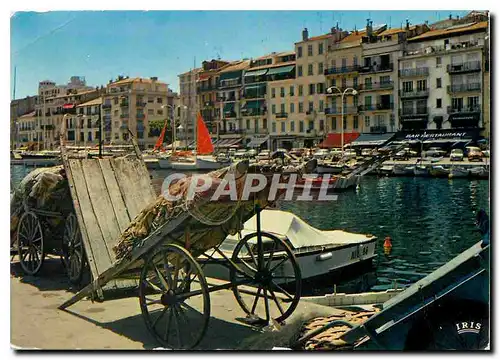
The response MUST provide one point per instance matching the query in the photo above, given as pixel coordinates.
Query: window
(140, 135)
(299, 70)
(344, 63)
(368, 100)
(248, 124)
(333, 82)
(283, 124)
(322, 125)
(320, 88)
(301, 90)
(407, 86)
(273, 92)
(355, 122)
(310, 125)
(421, 85)
(355, 61)
(367, 121)
(292, 91)
(345, 123)
(310, 70)
(292, 126)
(320, 48)
(311, 106)
(282, 92)
(301, 126)
(355, 82)
(301, 107)
(159, 112)
(320, 69)
(334, 123)
(438, 103)
(457, 103)
(321, 106)
(151, 112)
(273, 127)
(151, 99)
(472, 102)
(311, 89)
(344, 83)
(299, 51)
(438, 83)
(159, 100)
(117, 136)
(283, 108)
(309, 50)
(385, 79)
(116, 113)
(115, 100)
(438, 61)
(264, 123)
(273, 109)
(292, 108)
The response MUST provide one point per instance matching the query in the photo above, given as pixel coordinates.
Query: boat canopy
(298, 232)
(372, 139)
(256, 142)
(335, 140)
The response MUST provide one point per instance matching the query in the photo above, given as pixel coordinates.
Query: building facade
(187, 98)
(83, 129)
(445, 68)
(26, 130)
(18, 108)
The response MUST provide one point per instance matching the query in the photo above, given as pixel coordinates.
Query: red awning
(68, 106)
(335, 140)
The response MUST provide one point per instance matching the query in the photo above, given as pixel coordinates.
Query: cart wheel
(73, 253)
(30, 243)
(279, 269)
(171, 281)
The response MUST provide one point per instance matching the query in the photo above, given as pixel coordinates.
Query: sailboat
(204, 159)
(163, 158)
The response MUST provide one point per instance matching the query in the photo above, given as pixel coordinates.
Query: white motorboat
(386, 170)
(318, 252)
(199, 162)
(421, 170)
(458, 172)
(480, 172)
(439, 171)
(403, 170)
(329, 168)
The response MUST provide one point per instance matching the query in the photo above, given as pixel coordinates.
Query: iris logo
(469, 327)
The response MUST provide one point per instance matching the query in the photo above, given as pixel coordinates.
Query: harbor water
(430, 220)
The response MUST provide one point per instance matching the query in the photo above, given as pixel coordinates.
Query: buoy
(387, 245)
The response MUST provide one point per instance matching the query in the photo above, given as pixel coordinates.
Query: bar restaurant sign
(440, 135)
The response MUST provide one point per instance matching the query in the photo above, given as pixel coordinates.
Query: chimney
(154, 78)
(368, 28)
(305, 34)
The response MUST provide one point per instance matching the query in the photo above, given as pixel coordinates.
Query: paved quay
(36, 323)
(444, 162)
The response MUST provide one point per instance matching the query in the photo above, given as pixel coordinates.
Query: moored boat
(386, 170)
(421, 170)
(479, 172)
(439, 171)
(403, 170)
(458, 172)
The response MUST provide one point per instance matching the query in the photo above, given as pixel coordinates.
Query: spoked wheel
(73, 251)
(171, 290)
(30, 243)
(272, 272)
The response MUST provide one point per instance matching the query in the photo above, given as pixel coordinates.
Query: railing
(281, 115)
(229, 98)
(140, 103)
(106, 106)
(469, 66)
(207, 88)
(140, 116)
(464, 109)
(229, 83)
(464, 88)
(245, 112)
(342, 70)
(338, 110)
(377, 68)
(414, 93)
(443, 48)
(124, 103)
(375, 107)
(376, 86)
(254, 96)
(423, 71)
(378, 129)
(414, 112)
(230, 114)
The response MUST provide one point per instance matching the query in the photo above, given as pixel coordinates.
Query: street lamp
(353, 92)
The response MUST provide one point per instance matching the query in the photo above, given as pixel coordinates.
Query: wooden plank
(96, 240)
(101, 203)
(119, 208)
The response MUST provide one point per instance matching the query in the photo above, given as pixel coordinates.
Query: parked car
(321, 154)
(240, 154)
(474, 153)
(350, 154)
(264, 155)
(336, 152)
(435, 152)
(366, 152)
(251, 153)
(297, 151)
(401, 155)
(456, 155)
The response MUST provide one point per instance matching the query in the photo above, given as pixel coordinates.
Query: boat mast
(14, 140)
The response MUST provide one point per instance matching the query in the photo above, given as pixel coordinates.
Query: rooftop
(287, 63)
(451, 31)
(135, 80)
(28, 115)
(236, 66)
(354, 36)
(97, 101)
(78, 93)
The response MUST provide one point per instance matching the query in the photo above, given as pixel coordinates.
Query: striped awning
(256, 142)
(256, 72)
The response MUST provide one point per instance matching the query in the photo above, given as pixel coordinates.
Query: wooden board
(108, 194)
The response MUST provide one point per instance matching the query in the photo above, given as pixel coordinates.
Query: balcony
(123, 116)
(228, 99)
(254, 96)
(445, 48)
(245, 112)
(338, 110)
(376, 86)
(423, 71)
(140, 116)
(281, 115)
(229, 114)
(464, 110)
(460, 88)
(207, 88)
(419, 93)
(106, 106)
(419, 112)
(377, 68)
(378, 129)
(466, 67)
(124, 104)
(140, 103)
(342, 70)
(229, 83)
(376, 107)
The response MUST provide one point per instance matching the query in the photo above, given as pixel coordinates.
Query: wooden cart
(173, 292)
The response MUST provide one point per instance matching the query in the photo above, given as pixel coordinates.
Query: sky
(101, 45)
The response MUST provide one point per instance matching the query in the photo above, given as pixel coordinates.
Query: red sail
(203, 142)
(159, 142)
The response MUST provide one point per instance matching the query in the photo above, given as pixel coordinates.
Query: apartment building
(84, 129)
(311, 60)
(286, 129)
(256, 95)
(207, 93)
(230, 96)
(18, 108)
(26, 130)
(378, 87)
(445, 68)
(187, 98)
(132, 103)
